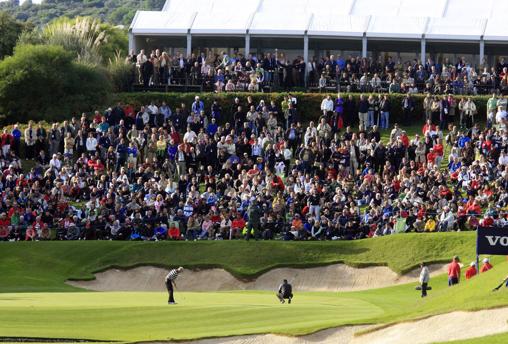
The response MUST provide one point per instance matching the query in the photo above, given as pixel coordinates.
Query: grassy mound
(127, 316)
(45, 266)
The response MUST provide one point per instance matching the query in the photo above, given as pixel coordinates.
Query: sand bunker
(337, 277)
(339, 335)
(439, 328)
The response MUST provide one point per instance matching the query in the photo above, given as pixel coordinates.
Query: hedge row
(308, 103)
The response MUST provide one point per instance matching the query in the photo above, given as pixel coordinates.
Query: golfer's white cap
(486, 260)
(472, 264)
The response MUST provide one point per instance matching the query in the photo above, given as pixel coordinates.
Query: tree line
(116, 12)
(57, 70)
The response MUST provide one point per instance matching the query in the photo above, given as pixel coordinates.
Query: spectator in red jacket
(431, 157)
(6, 141)
(237, 226)
(428, 127)
(486, 265)
(30, 234)
(487, 221)
(471, 271)
(454, 271)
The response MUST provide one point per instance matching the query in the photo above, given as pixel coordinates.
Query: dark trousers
(452, 281)
(424, 289)
(29, 151)
(253, 227)
(281, 296)
(169, 286)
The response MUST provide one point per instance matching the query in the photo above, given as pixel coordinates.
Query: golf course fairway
(146, 316)
(36, 303)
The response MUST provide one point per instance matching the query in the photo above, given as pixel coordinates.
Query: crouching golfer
(170, 283)
(285, 292)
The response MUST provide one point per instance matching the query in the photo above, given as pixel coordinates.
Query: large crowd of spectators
(253, 170)
(224, 73)
(218, 72)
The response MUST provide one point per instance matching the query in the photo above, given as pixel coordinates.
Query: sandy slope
(339, 335)
(439, 328)
(337, 277)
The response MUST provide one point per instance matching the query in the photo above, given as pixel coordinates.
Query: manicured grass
(45, 266)
(146, 316)
(128, 316)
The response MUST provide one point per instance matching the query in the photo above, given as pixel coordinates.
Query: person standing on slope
(486, 265)
(454, 271)
(424, 278)
(471, 271)
(170, 283)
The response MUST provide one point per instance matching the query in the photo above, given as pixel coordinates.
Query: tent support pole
(364, 46)
(423, 52)
(189, 44)
(482, 51)
(247, 45)
(132, 42)
(306, 56)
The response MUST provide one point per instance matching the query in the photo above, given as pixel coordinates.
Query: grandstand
(408, 28)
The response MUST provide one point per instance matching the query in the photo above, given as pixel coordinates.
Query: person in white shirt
(152, 108)
(327, 106)
(190, 136)
(424, 279)
(55, 163)
(446, 220)
(469, 112)
(91, 144)
(503, 159)
(311, 132)
(323, 128)
(501, 118)
(140, 61)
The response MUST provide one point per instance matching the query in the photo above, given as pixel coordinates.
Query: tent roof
(455, 29)
(496, 30)
(278, 23)
(337, 25)
(436, 19)
(230, 22)
(396, 27)
(154, 23)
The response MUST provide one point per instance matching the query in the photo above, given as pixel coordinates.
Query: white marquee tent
(460, 22)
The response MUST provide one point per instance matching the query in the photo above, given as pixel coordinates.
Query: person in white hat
(471, 271)
(486, 265)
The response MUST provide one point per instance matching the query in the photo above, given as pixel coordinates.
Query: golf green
(36, 302)
(147, 316)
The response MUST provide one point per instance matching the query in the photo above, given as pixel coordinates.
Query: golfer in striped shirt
(170, 283)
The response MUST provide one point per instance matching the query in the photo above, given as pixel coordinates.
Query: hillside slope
(118, 12)
(45, 266)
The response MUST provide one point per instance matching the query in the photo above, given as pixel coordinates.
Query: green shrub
(42, 82)
(121, 73)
